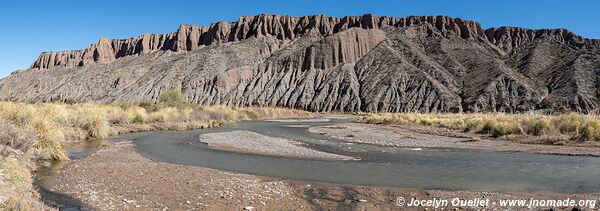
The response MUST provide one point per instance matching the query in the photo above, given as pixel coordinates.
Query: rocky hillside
(319, 63)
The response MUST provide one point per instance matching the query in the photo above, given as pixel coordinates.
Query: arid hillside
(318, 63)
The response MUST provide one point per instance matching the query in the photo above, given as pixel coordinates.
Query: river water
(423, 168)
(426, 168)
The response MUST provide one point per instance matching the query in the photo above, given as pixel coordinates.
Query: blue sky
(28, 28)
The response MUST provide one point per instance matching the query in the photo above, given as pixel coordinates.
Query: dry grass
(572, 126)
(37, 123)
(231, 114)
(15, 138)
(16, 189)
(30, 132)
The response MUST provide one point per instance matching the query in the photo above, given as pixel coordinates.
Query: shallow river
(427, 168)
(424, 168)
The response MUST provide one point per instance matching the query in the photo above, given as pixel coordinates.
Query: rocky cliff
(355, 63)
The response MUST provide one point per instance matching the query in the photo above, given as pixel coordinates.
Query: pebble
(128, 201)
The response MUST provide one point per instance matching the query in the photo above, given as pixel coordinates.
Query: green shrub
(138, 119)
(172, 98)
(541, 127)
(591, 131)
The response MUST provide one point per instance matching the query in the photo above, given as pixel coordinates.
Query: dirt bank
(253, 143)
(118, 178)
(418, 136)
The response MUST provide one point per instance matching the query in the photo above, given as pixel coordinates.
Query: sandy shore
(415, 136)
(253, 143)
(118, 178)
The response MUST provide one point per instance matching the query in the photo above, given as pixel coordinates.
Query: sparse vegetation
(30, 132)
(172, 98)
(569, 126)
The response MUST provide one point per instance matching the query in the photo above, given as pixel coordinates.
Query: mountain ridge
(189, 37)
(356, 63)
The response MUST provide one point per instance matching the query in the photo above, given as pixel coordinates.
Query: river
(422, 168)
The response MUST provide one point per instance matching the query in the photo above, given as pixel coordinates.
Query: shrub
(57, 112)
(164, 115)
(148, 105)
(93, 121)
(136, 115)
(112, 114)
(14, 137)
(172, 98)
(505, 128)
(591, 131)
(541, 127)
(138, 119)
(201, 114)
(568, 124)
(488, 126)
(474, 124)
(49, 138)
(19, 114)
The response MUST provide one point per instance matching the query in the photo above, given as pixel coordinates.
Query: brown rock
(320, 63)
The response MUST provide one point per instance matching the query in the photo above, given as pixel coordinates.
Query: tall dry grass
(16, 189)
(571, 126)
(30, 132)
(16, 152)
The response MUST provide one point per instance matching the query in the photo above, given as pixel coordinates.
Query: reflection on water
(380, 165)
(45, 180)
(45, 174)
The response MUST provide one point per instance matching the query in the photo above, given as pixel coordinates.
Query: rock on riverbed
(254, 143)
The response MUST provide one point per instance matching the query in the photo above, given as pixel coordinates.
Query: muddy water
(426, 168)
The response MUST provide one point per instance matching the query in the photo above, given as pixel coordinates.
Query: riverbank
(118, 177)
(434, 137)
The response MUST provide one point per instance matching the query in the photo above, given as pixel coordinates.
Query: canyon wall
(320, 63)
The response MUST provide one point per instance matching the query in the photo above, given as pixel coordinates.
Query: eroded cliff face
(319, 63)
(188, 37)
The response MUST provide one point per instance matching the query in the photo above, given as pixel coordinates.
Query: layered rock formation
(190, 37)
(355, 63)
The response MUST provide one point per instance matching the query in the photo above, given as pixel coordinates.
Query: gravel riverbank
(253, 143)
(418, 136)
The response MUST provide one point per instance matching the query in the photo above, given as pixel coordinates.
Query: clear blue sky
(30, 27)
